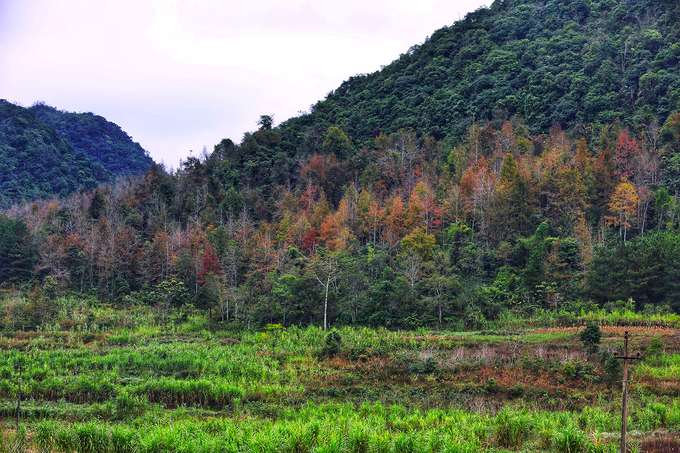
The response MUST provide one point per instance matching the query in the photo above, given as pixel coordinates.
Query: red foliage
(627, 149)
(209, 264)
(310, 241)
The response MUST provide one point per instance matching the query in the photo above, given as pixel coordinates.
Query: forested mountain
(574, 63)
(522, 161)
(36, 162)
(45, 152)
(100, 140)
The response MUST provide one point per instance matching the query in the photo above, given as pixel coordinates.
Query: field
(122, 382)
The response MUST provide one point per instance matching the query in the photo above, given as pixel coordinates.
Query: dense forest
(46, 152)
(100, 140)
(522, 160)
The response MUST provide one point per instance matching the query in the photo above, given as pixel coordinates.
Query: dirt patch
(666, 444)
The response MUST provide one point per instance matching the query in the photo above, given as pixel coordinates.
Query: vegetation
(37, 162)
(380, 209)
(177, 386)
(409, 267)
(580, 64)
(100, 140)
(46, 152)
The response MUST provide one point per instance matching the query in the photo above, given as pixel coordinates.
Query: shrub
(512, 428)
(613, 368)
(654, 353)
(427, 366)
(591, 337)
(570, 439)
(517, 390)
(333, 342)
(569, 370)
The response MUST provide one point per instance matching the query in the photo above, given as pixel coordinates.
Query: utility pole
(624, 404)
(19, 393)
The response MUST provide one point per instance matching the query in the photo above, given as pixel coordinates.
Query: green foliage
(613, 368)
(570, 439)
(505, 60)
(644, 269)
(427, 366)
(46, 152)
(332, 344)
(591, 336)
(100, 140)
(17, 252)
(37, 162)
(512, 428)
(336, 143)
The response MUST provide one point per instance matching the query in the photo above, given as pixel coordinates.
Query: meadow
(106, 380)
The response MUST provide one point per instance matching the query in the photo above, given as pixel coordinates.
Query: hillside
(322, 220)
(36, 162)
(100, 140)
(574, 63)
(46, 152)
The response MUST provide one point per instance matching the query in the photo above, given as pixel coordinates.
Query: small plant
(654, 353)
(569, 370)
(517, 390)
(333, 342)
(427, 366)
(512, 428)
(570, 439)
(613, 367)
(591, 337)
(491, 385)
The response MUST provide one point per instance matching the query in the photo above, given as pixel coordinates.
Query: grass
(180, 387)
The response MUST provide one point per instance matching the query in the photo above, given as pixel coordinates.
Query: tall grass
(324, 428)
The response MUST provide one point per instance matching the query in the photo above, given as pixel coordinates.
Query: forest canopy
(523, 160)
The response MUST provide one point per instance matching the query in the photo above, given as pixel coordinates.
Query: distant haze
(178, 75)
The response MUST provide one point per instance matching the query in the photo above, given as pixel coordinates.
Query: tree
(266, 122)
(16, 257)
(325, 268)
(623, 205)
(591, 337)
(283, 290)
(336, 143)
(419, 244)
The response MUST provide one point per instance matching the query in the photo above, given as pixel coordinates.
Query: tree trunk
(325, 304)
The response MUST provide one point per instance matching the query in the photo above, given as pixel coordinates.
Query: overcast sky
(178, 75)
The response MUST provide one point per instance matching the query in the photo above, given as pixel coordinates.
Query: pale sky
(178, 75)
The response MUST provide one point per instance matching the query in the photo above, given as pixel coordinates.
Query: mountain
(575, 63)
(100, 140)
(46, 152)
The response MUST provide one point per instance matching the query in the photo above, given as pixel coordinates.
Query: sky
(180, 75)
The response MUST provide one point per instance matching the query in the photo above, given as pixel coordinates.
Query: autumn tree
(623, 205)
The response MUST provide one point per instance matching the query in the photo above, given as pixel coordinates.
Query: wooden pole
(19, 393)
(624, 403)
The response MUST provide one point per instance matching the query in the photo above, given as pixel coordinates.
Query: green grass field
(181, 387)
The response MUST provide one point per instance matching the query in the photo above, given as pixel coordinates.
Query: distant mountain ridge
(572, 62)
(46, 152)
(100, 140)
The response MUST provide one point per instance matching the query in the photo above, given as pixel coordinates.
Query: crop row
(344, 428)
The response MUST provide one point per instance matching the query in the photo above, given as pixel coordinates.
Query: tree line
(407, 232)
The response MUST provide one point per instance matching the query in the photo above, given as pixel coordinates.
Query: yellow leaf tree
(623, 204)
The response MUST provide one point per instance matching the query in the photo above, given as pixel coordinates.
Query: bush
(427, 366)
(613, 368)
(591, 337)
(570, 439)
(654, 353)
(512, 428)
(517, 390)
(332, 347)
